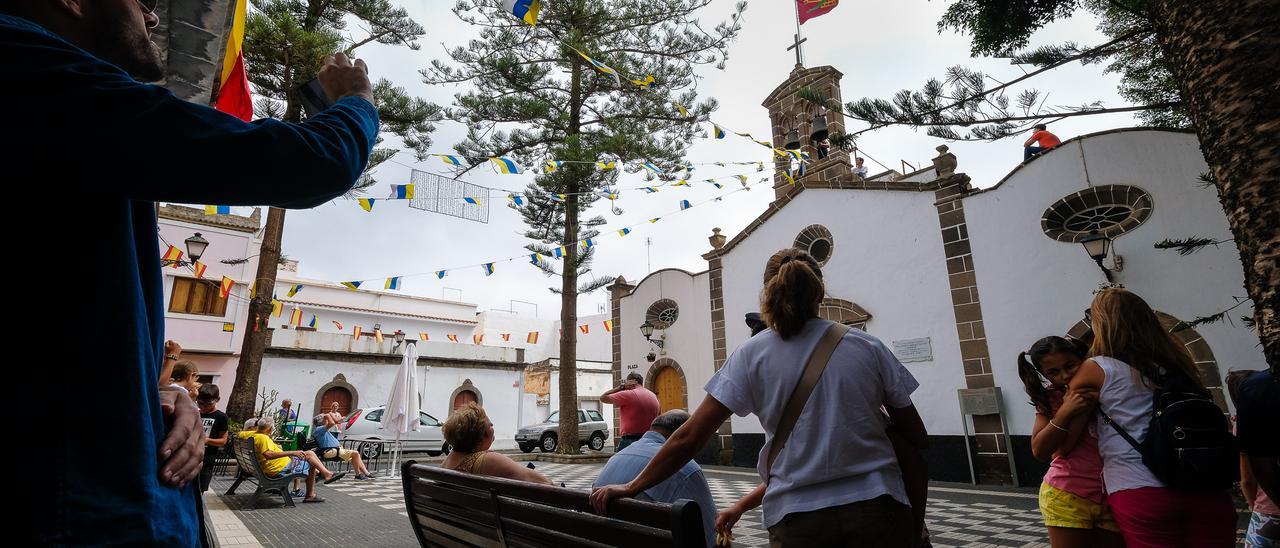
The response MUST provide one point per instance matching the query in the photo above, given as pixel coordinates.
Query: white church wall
(888, 258)
(688, 342)
(1032, 286)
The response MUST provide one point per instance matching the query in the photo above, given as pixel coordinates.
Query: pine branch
(1207, 180)
(1211, 318)
(1187, 246)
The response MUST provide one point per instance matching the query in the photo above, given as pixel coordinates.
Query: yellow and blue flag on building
(684, 204)
(524, 10)
(294, 289)
(601, 67)
(352, 285)
(440, 274)
(402, 192)
(217, 210)
(312, 323)
(392, 283)
(366, 204)
(505, 165)
(488, 268)
(715, 130)
(624, 231)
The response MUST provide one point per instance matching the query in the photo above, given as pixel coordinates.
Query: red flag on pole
(808, 9)
(233, 84)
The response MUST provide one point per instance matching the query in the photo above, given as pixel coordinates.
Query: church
(956, 279)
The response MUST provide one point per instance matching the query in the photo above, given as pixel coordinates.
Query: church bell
(793, 140)
(819, 128)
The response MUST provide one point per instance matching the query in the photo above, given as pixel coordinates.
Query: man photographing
(637, 407)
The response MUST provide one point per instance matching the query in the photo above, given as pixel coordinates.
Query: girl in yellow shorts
(1072, 498)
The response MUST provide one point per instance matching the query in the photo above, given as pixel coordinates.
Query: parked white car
(365, 425)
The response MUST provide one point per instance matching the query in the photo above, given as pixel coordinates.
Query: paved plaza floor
(371, 514)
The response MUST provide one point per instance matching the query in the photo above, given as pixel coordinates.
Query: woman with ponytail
(1072, 498)
(837, 481)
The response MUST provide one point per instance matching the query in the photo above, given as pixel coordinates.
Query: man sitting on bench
(277, 462)
(327, 448)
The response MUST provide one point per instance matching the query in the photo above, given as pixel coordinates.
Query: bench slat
(465, 536)
(584, 525)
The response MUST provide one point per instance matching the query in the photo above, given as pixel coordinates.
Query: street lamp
(196, 246)
(398, 336)
(646, 329)
(1097, 246)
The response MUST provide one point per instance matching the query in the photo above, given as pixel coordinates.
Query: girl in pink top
(1072, 498)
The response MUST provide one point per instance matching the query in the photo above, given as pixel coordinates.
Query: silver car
(364, 425)
(592, 431)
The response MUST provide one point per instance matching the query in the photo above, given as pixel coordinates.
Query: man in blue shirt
(102, 147)
(689, 483)
(327, 447)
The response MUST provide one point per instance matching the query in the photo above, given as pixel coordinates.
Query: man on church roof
(637, 407)
(859, 169)
(1043, 138)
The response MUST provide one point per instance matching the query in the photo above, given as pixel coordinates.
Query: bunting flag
(505, 165)
(295, 318)
(649, 166)
(793, 154)
(524, 10)
(505, 336)
(172, 256)
(743, 180)
(217, 210)
(449, 159)
(717, 132)
(401, 192)
(199, 268)
(624, 231)
(440, 274)
(558, 252)
(559, 197)
(532, 338)
(354, 285)
(471, 200)
(488, 269)
(681, 182)
(646, 83)
(684, 204)
(225, 288)
(552, 165)
(366, 204)
(312, 323)
(233, 82)
(377, 335)
(477, 339)
(253, 290)
(587, 243)
(601, 67)
(612, 196)
(294, 289)
(586, 327)
(654, 220)
(648, 189)
(277, 308)
(392, 283)
(787, 176)
(606, 166)
(337, 324)
(608, 326)
(453, 338)
(683, 111)
(516, 199)
(423, 337)
(356, 332)
(808, 9)
(717, 185)
(537, 259)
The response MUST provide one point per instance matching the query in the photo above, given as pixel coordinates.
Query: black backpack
(1189, 445)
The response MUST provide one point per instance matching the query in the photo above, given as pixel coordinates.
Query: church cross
(796, 46)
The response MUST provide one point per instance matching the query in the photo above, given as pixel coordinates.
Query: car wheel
(526, 448)
(444, 449)
(597, 441)
(370, 450)
(548, 443)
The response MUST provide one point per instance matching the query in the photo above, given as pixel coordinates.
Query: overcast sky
(880, 46)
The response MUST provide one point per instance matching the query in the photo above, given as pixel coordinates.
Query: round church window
(1109, 210)
(816, 240)
(662, 313)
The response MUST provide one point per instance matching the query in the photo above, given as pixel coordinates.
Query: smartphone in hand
(314, 99)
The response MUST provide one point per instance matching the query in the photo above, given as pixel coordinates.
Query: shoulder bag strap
(1121, 431)
(795, 404)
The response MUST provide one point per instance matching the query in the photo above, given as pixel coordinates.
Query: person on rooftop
(1041, 137)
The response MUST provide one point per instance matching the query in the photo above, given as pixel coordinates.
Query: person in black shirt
(215, 430)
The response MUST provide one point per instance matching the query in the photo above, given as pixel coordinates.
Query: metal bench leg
(239, 479)
(288, 497)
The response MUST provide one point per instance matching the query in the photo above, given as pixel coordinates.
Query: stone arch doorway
(467, 393)
(845, 312)
(666, 379)
(1199, 349)
(338, 390)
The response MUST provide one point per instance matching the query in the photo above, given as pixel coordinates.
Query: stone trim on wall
(845, 312)
(992, 459)
(617, 290)
(339, 381)
(651, 377)
(719, 348)
(466, 386)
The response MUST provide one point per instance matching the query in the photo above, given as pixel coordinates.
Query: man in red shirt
(1042, 137)
(637, 407)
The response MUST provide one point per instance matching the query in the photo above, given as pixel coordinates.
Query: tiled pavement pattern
(372, 514)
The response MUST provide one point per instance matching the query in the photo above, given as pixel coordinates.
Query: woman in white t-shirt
(837, 481)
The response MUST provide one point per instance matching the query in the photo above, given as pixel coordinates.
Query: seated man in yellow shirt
(277, 462)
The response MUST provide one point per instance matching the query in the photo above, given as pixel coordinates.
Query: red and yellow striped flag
(277, 308)
(423, 337)
(225, 288)
(506, 336)
(608, 326)
(532, 338)
(295, 319)
(585, 328)
(172, 256)
(356, 333)
(477, 339)
(199, 267)
(377, 335)
(233, 84)
(453, 338)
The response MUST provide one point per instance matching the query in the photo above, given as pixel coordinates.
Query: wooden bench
(247, 459)
(448, 508)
